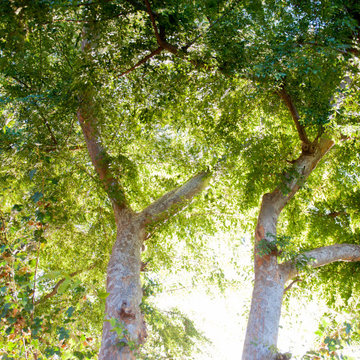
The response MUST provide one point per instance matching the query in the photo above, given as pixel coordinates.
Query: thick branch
(87, 117)
(293, 179)
(294, 114)
(323, 256)
(174, 200)
(99, 157)
(159, 38)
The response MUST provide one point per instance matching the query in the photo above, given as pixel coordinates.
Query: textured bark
(262, 331)
(175, 200)
(124, 289)
(262, 328)
(323, 256)
(270, 277)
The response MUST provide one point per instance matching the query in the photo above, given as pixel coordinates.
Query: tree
(251, 57)
(59, 59)
(294, 58)
(306, 56)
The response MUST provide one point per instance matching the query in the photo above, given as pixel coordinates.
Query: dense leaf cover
(216, 94)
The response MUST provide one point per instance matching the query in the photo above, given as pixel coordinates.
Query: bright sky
(223, 319)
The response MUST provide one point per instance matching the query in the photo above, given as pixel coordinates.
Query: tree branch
(99, 157)
(175, 200)
(139, 6)
(3, 238)
(163, 44)
(57, 285)
(89, 123)
(143, 61)
(294, 114)
(292, 284)
(294, 178)
(211, 24)
(323, 256)
(159, 38)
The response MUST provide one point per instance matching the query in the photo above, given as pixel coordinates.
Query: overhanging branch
(323, 256)
(175, 200)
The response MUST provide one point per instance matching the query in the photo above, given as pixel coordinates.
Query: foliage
(161, 123)
(334, 338)
(30, 327)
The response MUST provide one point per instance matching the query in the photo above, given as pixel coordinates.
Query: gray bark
(176, 199)
(262, 331)
(124, 289)
(262, 328)
(323, 256)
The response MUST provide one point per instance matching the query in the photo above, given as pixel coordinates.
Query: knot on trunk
(126, 313)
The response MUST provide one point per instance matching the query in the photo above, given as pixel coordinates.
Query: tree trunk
(124, 289)
(262, 329)
(270, 277)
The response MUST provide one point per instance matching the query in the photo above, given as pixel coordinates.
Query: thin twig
(3, 228)
(192, 42)
(291, 284)
(57, 285)
(142, 61)
(46, 123)
(25, 351)
(35, 275)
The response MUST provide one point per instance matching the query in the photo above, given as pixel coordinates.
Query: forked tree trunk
(124, 329)
(123, 272)
(125, 292)
(270, 276)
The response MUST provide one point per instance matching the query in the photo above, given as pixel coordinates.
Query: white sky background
(222, 318)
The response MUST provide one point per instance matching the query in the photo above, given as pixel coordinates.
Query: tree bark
(322, 256)
(262, 329)
(270, 277)
(125, 292)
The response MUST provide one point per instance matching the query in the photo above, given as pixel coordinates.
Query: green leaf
(64, 286)
(69, 312)
(37, 196)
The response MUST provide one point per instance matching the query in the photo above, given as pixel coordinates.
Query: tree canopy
(107, 105)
